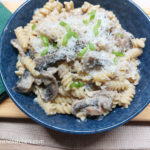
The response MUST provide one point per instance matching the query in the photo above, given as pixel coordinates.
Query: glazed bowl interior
(132, 19)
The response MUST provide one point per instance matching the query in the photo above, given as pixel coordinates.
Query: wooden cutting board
(9, 110)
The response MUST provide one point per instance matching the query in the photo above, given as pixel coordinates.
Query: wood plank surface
(9, 110)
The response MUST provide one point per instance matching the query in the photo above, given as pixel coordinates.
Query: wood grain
(12, 6)
(9, 110)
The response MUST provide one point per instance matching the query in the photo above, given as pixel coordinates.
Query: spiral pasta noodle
(139, 43)
(69, 5)
(66, 76)
(132, 54)
(124, 99)
(117, 85)
(63, 100)
(20, 67)
(63, 92)
(22, 37)
(49, 108)
(103, 76)
(63, 108)
(79, 93)
(30, 65)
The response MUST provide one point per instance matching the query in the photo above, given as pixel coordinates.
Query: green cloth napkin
(4, 16)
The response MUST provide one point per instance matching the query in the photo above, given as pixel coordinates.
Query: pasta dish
(77, 61)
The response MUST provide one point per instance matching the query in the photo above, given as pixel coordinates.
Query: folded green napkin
(4, 16)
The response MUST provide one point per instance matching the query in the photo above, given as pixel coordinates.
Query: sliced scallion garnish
(71, 86)
(45, 51)
(118, 54)
(76, 84)
(93, 12)
(115, 61)
(82, 52)
(69, 34)
(66, 38)
(91, 46)
(45, 40)
(64, 24)
(92, 15)
(120, 34)
(67, 27)
(65, 41)
(85, 22)
(75, 35)
(33, 27)
(96, 27)
(54, 45)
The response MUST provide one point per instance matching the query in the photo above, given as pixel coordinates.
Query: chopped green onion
(45, 51)
(66, 38)
(75, 35)
(69, 35)
(91, 46)
(115, 61)
(33, 27)
(98, 23)
(96, 27)
(118, 54)
(95, 30)
(92, 15)
(82, 52)
(54, 45)
(85, 22)
(120, 34)
(62, 23)
(76, 84)
(93, 12)
(71, 86)
(65, 41)
(67, 27)
(45, 40)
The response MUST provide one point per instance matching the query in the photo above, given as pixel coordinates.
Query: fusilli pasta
(66, 76)
(139, 43)
(30, 65)
(22, 37)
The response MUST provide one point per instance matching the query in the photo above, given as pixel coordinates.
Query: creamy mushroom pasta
(77, 61)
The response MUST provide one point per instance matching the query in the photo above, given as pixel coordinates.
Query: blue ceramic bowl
(132, 19)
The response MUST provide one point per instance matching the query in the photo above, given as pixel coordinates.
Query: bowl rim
(42, 122)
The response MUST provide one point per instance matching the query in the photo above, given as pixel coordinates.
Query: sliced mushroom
(49, 90)
(123, 39)
(30, 53)
(38, 81)
(52, 70)
(93, 111)
(24, 85)
(89, 62)
(69, 54)
(45, 62)
(96, 105)
(16, 45)
(93, 60)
